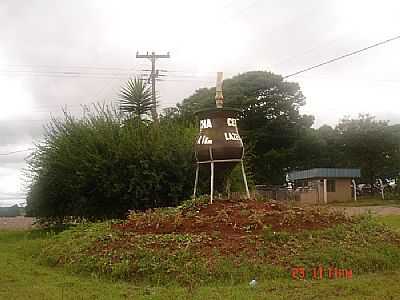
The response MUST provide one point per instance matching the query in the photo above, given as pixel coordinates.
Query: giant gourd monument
(218, 144)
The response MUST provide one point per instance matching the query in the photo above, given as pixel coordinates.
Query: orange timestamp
(300, 273)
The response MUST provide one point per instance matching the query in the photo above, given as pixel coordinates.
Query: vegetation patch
(104, 164)
(228, 241)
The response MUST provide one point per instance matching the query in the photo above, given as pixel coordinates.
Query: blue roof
(324, 173)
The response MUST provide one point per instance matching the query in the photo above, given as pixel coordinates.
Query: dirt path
(376, 210)
(15, 223)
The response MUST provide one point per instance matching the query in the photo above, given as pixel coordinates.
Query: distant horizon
(8, 203)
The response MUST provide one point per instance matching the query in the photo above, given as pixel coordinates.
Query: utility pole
(153, 75)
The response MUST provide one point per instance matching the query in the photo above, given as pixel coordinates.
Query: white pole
(381, 186)
(354, 189)
(196, 180)
(219, 98)
(325, 192)
(212, 182)
(245, 181)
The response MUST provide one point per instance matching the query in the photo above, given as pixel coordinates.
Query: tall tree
(372, 145)
(135, 98)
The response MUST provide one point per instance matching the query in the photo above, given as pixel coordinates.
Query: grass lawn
(23, 278)
(392, 221)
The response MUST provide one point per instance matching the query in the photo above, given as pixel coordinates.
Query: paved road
(376, 210)
(16, 223)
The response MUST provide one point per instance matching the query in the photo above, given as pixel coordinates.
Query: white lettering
(231, 136)
(204, 140)
(206, 123)
(231, 122)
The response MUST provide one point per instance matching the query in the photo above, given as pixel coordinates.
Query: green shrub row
(103, 165)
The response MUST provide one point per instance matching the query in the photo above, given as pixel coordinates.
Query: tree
(372, 145)
(270, 121)
(135, 98)
(308, 151)
(319, 148)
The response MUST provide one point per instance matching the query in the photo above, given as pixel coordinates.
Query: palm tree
(135, 98)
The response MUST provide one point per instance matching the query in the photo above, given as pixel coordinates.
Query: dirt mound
(228, 226)
(232, 218)
(227, 241)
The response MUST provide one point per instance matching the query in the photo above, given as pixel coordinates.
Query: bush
(102, 166)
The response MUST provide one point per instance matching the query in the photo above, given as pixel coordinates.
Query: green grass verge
(23, 278)
(392, 221)
(95, 249)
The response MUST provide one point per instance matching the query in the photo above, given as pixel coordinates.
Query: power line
(67, 76)
(153, 76)
(101, 76)
(18, 151)
(67, 67)
(74, 71)
(342, 56)
(12, 198)
(66, 73)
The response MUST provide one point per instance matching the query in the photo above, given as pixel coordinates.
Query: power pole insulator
(153, 76)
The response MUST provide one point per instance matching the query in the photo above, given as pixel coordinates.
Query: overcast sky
(68, 53)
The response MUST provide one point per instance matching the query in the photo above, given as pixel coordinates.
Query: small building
(324, 185)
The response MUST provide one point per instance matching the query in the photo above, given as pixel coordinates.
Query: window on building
(331, 186)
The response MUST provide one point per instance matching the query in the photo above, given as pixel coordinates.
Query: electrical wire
(73, 71)
(69, 67)
(341, 57)
(72, 74)
(172, 77)
(101, 76)
(18, 151)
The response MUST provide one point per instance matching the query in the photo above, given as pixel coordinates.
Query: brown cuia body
(218, 143)
(218, 139)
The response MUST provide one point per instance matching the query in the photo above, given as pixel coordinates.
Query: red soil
(231, 218)
(230, 227)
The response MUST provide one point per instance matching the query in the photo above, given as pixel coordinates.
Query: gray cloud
(46, 38)
(19, 132)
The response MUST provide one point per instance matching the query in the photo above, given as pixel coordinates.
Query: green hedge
(102, 165)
